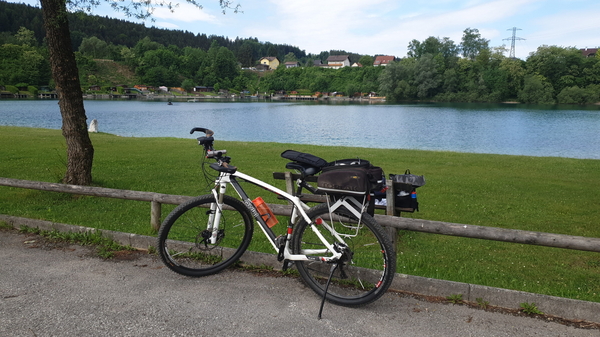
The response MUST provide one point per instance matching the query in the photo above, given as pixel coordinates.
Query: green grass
(105, 247)
(545, 194)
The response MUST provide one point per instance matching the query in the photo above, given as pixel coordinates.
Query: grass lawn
(545, 194)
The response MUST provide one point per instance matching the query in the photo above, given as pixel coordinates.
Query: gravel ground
(58, 289)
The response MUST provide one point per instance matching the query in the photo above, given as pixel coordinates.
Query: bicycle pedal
(286, 265)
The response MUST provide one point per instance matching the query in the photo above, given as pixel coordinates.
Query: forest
(435, 69)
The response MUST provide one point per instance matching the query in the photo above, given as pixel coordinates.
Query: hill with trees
(111, 52)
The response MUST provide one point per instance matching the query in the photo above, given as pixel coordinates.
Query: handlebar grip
(208, 132)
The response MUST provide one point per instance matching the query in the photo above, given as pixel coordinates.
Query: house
(382, 60)
(270, 61)
(317, 63)
(203, 89)
(589, 52)
(293, 64)
(356, 64)
(338, 61)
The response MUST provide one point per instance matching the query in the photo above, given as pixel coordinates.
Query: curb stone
(551, 305)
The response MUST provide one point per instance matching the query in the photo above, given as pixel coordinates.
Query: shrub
(577, 95)
(12, 89)
(33, 90)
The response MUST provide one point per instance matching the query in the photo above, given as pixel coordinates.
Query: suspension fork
(216, 211)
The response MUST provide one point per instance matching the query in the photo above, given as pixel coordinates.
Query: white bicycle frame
(299, 210)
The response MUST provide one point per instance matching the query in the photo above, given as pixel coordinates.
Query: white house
(338, 61)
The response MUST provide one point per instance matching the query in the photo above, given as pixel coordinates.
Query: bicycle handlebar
(208, 132)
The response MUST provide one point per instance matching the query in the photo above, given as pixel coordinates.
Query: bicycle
(340, 253)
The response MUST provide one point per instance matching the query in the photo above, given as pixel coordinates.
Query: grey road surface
(64, 290)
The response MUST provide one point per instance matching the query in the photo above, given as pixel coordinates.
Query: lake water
(514, 129)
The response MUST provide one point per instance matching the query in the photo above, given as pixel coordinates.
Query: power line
(513, 39)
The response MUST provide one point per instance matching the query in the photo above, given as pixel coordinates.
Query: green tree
(427, 75)
(94, 47)
(432, 45)
(145, 45)
(191, 61)
(560, 66)
(22, 64)
(536, 90)
(472, 43)
(290, 57)
(128, 56)
(366, 61)
(187, 85)
(396, 80)
(514, 69)
(225, 67)
(80, 152)
(26, 37)
(576, 95)
(245, 55)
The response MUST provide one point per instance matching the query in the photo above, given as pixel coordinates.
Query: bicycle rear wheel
(371, 264)
(182, 238)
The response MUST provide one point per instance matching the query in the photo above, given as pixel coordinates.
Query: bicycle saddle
(305, 158)
(304, 169)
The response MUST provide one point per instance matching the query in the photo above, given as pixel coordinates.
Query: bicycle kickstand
(333, 268)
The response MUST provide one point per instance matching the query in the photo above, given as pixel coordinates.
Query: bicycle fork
(214, 218)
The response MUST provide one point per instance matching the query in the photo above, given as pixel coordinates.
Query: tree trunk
(80, 152)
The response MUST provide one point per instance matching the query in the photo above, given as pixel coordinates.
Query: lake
(515, 129)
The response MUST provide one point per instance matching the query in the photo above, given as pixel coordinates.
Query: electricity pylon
(513, 39)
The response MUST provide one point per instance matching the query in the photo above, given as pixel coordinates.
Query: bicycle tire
(371, 269)
(181, 244)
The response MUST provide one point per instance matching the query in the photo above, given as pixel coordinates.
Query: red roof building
(589, 52)
(382, 60)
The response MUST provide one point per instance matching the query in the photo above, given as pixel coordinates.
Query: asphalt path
(56, 289)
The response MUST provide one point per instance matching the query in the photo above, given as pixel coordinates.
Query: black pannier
(406, 197)
(405, 186)
(408, 179)
(344, 181)
(350, 176)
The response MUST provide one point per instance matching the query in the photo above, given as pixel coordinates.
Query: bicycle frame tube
(299, 207)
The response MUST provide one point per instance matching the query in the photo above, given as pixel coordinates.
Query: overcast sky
(385, 27)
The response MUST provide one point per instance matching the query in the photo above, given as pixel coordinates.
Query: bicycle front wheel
(370, 262)
(189, 242)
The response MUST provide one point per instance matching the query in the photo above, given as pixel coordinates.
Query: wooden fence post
(289, 184)
(390, 210)
(155, 210)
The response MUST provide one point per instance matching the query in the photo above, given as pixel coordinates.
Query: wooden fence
(436, 227)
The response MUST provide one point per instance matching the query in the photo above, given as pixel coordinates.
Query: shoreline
(258, 98)
(310, 144)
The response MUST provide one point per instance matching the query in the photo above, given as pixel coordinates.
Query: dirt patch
(128, 255)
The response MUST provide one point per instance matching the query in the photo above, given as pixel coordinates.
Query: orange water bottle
(265, 212)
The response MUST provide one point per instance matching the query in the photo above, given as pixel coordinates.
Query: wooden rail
(155, 199)
(436, 227)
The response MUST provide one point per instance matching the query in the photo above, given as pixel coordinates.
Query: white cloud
(185, 12)
(378, 27)
(166, 25)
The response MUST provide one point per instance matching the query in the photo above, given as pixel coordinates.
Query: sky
(385, 27)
